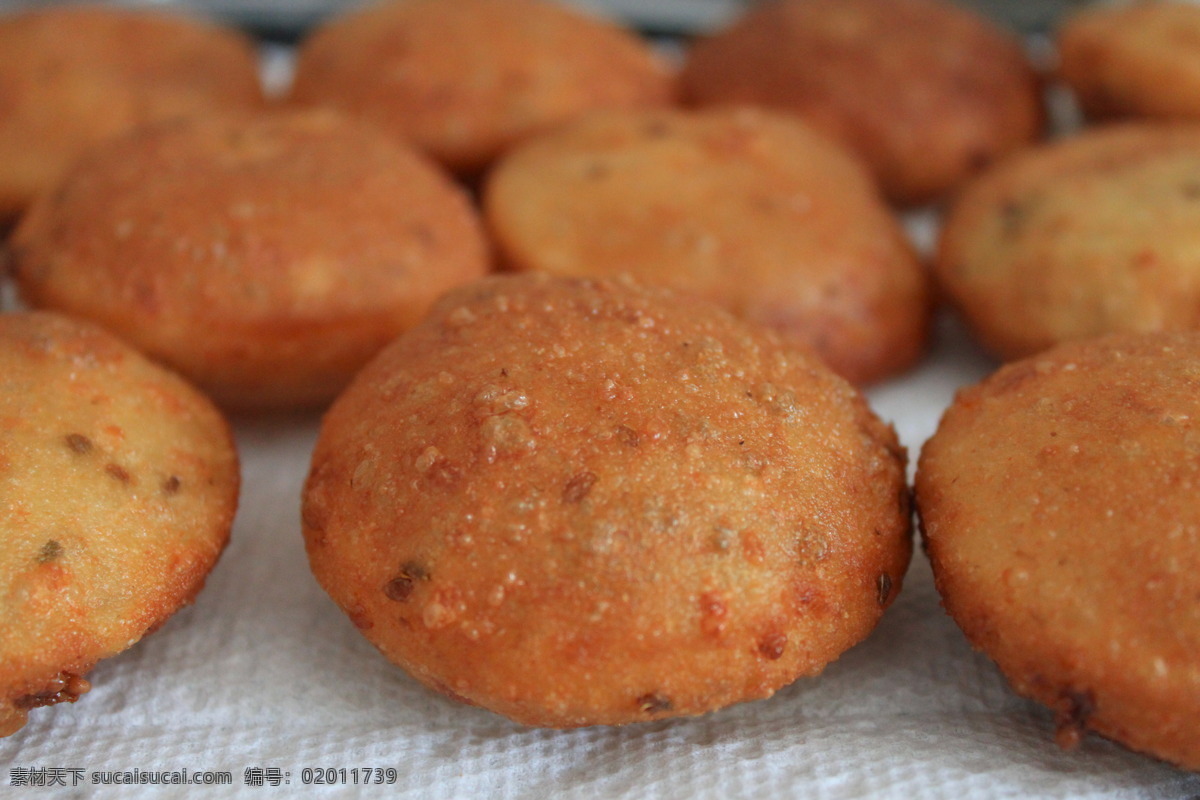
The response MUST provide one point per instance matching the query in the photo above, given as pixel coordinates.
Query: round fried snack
(120, 483)
(750, 210)
(1134, 61)
(928, 93)
(1091, 235)
(579, 503)
(466, 79)
(73, 76)
(267, 258)
(1059, 506)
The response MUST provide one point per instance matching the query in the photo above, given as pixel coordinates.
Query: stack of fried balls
(590, 324)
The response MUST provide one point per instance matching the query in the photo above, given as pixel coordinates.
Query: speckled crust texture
(1091, 235)
(119, 483)
(926, 92)
(73, 76)
(466, 79)
(266, 257)
(1058, 502)
(578, 503)
(749, 209)
(1139, 60)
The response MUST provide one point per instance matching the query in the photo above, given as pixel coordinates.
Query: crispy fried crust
(926, 92)
(1091, 235)
(71, 77)
(466, 79)
(266, 257)
(578, 502)
(748, 209)
(1058, 502)
(120, 484)
(1139, 60)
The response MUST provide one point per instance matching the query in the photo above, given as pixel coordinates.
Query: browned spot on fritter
(415, 571)
(50, 551)
(883, 588)
(171, 485)
(628, 436)
(400, 587)
(65, 688)
(772, 646)
(78, 443)
(119, 472)
(578, 487)
(655, 703)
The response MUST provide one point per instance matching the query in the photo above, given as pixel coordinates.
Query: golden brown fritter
(749, 209)
(581, 502)
(266, 257)
(119, 484)
(1140, 60)
(466, 79)
(1091, 235)
(928, 93)
(1059, 506)
(73, 76)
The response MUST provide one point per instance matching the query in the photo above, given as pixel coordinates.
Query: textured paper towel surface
(264, 671)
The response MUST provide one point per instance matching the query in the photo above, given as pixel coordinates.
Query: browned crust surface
(266, 257)
(926, 92)
(466, 79)
(71, 77)
(1091, 235)
(748, 209)
(119, 484)
(580, 503)
(1058, 502)
(1141, 60)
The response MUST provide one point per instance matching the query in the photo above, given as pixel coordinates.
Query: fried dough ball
(577, 503)
(1091, 235)
(927, 92)
(466, 79)
(1059, 506)
(119, 483)
(73, 76)
(751, 210)
(266, 257)
(1138, 60)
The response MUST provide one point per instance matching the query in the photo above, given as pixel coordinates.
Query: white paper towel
(265, 672)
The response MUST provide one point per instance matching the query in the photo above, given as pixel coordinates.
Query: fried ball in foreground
(1059, 506)
(120, 483)
(466, 79)
(751, 210)
(578, 503)
(1091, 235)
(1138, 60)
(265, 257)
(71, 77)
(927, 92)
